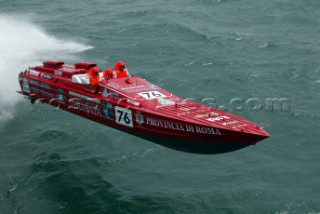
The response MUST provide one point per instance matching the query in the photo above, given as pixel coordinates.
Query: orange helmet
(108, 72)
(119, 66)
(94, 70)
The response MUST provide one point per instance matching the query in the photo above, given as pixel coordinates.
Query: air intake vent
(85, 65)
(53, 64)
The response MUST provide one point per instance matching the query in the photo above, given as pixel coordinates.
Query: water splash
(23, 43)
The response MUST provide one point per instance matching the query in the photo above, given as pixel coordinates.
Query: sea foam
(23, 44)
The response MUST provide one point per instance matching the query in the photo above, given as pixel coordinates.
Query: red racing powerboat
(138, 107)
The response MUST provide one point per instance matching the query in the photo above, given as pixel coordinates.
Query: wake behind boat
(138, 107)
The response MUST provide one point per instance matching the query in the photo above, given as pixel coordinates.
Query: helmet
(119, 65)
(94, 70)
(108, 73)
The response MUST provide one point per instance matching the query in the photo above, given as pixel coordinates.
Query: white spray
(23, 44)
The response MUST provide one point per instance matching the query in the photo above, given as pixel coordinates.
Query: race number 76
(123, 116)
(151, 95)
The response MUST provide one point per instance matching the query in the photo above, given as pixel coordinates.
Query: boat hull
(187, 142)
(193, 146)
(139, 108)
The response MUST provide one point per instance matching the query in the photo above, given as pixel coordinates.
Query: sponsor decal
(182, 127)
(165, 102)
(60, 95)
(107, 110)
(46, 94)
(110, 94)
(133, 102)
(165, 124)
(34, 73)
(230, 122)
(40, 84)
(90, 90)
(113, 85)
(139, 88)
(25, 86)
(149, 95)
(105, 93)
(84, 97)
(34, 90)
(213, 119)
(58, 73)
(68, 69)
(139, 118)
(132, 87)
(206, 115)
(114, 95)
(86, 108)
(47, 76)
(123, 116)
(44, 85)
(239, 126)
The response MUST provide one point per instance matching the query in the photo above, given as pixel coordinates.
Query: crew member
(109, 74)
(94, 76)
(121, 70)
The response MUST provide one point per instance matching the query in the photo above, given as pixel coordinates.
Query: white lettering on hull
(86, 108)
(182, 127)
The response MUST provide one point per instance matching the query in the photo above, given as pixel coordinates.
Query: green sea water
(212, 51)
